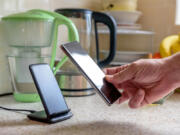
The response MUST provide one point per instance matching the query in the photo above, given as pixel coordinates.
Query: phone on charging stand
(55, 107)
(91, 71)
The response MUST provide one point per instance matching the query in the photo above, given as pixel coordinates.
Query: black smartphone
(91, 71)
(50, 94)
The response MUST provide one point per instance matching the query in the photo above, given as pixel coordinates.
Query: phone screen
(91, 71)
(48, 89)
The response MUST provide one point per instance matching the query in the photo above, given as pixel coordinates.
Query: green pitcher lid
(31, 14)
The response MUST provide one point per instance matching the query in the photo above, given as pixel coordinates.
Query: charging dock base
(42, 117)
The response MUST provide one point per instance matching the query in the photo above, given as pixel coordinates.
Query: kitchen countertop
(93, 117)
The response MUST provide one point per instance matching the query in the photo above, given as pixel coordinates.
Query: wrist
(172, 68)
(172, 62)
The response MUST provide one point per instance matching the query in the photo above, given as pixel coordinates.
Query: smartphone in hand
(91, 71)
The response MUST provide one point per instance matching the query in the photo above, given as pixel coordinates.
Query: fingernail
(108, 77)
(117, 101)
(105, 71)
(120, 100)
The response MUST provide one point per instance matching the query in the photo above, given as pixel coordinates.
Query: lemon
(166, 48)
(176, 46)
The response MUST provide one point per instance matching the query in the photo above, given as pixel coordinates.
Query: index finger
(114, 70)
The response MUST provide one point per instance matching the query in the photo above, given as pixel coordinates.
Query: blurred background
(141, 26)
(157, 15)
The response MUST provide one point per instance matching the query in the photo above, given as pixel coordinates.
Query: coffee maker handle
(111, 24)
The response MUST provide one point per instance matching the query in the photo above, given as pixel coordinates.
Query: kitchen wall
(159, 15)
(90, 4)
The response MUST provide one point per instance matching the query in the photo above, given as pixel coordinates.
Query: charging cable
(14, 110)
(17, 110)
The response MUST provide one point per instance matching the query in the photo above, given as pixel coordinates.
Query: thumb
(122, 76)
(137, 99)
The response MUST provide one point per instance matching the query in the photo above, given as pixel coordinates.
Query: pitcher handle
(72, 35)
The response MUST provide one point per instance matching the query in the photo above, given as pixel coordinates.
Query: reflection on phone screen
(91, 71)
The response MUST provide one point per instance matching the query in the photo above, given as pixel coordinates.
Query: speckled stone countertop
(93, 117)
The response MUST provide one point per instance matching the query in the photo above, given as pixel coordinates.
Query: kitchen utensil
(125, 17)
(30, 36)
(84, 20)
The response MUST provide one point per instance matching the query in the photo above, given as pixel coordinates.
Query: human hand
(144, 81)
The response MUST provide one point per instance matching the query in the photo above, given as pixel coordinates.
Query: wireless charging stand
(43, 117)
(55, 107)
